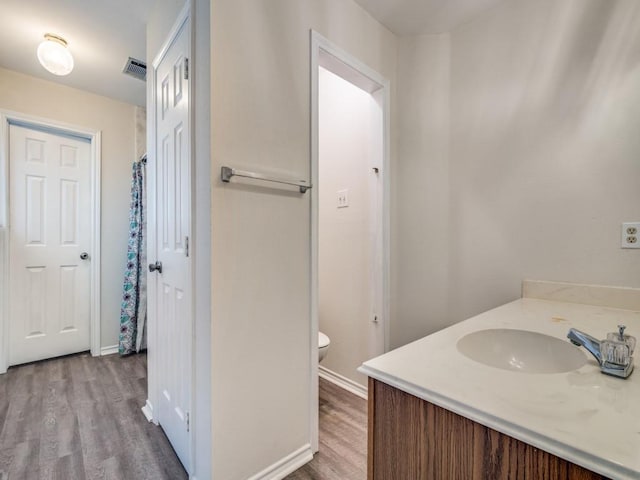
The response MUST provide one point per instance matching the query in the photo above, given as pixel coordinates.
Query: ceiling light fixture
(54, 55)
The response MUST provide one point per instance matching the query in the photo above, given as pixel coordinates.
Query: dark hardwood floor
(79, 417)
(343, 438)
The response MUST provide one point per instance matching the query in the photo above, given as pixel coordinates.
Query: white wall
(420, 193)
(545, 109)
(261, 235)
(345, 243)
(539, 169)
(33, 96)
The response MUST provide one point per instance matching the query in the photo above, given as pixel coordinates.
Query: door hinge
(186, 69)
(186, 246)
(188, 422)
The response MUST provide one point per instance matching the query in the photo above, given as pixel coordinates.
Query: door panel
(50, 225)
(35, 297)
(172, 227)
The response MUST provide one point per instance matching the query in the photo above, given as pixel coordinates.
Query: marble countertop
(583, 416)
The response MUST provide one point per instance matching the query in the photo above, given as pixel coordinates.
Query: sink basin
(521, 351)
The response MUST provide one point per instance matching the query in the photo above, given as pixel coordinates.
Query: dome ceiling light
(54, 55)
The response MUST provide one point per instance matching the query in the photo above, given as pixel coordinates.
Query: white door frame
(184, 17)
(55, 127)
(320, 45)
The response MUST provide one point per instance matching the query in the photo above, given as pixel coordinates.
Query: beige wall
(33, 96)
(140, 136)
(260, 121)
(161, 20)
(345, 242)
(517, 158)
(545, 108)
(420, 193)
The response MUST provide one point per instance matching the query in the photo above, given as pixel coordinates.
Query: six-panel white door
(50, 229)
(172, 224)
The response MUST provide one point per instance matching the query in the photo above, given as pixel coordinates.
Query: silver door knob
(84, 256)
(155, 267)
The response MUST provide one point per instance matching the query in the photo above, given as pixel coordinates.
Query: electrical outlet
(631, 235)
(343, 198)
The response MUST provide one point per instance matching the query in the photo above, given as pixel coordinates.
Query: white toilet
(323, 345)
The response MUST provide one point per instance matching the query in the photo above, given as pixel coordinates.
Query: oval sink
(521, 351)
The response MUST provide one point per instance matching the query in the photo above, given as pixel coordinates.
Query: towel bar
(227, 172)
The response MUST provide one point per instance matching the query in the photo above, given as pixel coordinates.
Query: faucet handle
(620, 336)
(615, 352)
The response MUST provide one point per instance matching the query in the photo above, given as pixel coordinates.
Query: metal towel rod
(227, 172)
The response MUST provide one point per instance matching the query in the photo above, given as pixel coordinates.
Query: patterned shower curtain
(133, 312)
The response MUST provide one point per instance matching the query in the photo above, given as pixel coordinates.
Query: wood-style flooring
(343, 438)
(79, 418)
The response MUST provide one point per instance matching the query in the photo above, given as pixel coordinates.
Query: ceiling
(412, 17)
(101, 34)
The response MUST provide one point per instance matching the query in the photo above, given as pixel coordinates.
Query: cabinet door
(413, 439)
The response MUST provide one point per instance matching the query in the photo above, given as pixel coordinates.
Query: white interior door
(50, 229)
(172, 231)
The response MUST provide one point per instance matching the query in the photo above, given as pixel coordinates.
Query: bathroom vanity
(438, 410)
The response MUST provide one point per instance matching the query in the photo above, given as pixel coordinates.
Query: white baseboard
(343, 382)
(147, 409)
(287, 465)
(110, 350)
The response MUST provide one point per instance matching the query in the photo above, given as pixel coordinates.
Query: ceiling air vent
(136, 68)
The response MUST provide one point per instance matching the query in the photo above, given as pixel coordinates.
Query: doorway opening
(349, 217)
(49, 239)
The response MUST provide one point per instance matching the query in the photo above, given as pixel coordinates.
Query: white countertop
(583, 416)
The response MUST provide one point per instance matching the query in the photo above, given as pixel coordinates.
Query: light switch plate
(631, 235)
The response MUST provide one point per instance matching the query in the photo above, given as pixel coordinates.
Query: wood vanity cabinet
(411, 439)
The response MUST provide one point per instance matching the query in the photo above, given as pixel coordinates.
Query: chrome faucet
(614, 355)
(579, 338)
